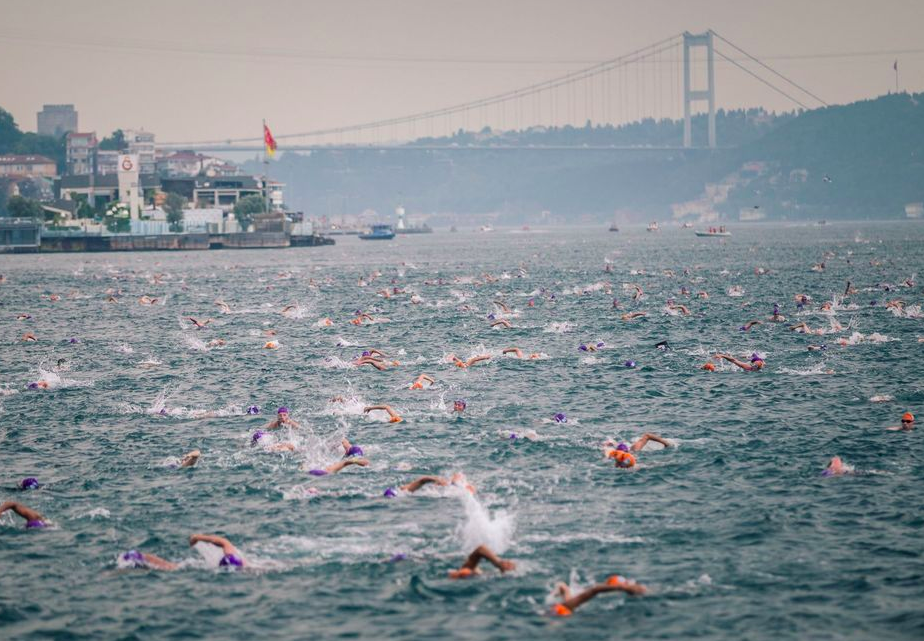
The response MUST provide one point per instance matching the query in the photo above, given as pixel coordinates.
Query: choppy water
(734, 531)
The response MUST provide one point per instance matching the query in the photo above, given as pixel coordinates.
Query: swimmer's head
(135, 558)
(366, 353)
(709, 367)
(163, 411)
(490, 316)
(257, 436)
(582, 347)
(907, 418)
(29, 483)
(622, 447)
(601, 344)
(459, 405)
(397, 557)
(629, 364)
(33, 385)
(231, 561)
(253, 409)
(390, 493)
(623, 459)
(74, 340)
(560, 418)
(513, 436)
(355, 450)
(282, 410)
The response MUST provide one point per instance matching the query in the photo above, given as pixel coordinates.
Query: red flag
(269, 141)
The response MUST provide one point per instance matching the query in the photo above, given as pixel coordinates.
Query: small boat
(653, 227)
(486, 228)
(613, 227)
(686, 226)
(379, 232)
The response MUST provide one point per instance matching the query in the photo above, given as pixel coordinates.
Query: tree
(114, 142)
(20, 207)
(9, 132)
(245, 209)
(174, 205)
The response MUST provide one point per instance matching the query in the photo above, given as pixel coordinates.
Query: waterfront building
(28, 166)
(80, 153)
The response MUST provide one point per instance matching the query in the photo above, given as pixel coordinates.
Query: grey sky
(191, 70)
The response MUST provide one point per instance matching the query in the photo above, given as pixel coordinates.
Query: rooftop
(24, 160)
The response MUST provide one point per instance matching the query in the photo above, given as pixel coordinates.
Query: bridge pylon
(690, 94)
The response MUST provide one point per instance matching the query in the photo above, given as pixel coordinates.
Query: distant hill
(872, 152)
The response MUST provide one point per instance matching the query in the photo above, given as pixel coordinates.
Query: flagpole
(266, 188)
(895, 66)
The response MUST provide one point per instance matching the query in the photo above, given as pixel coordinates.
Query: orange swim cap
(395, 419)
(461, 364)
(623, 459)
(561, 610)
(709, 367)
(907, 416)
(417, 385)
(357, 321)
(461, 573)
(615, 580)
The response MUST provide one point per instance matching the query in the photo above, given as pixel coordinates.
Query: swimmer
(232, 557)
(638, 293)
(817, 348)
(474, 359)
(199, 324)
(571, 602)
(907, 423)
(756, 363)
(702, 295)
(369, 360)
(470, 567)
(836, 468)
(190, 458)
(392, 414)
(621, 453)
(459, 405)
(803, 328)
(748, 325)
(112, 299)
(223, 306)
(632, 315)
(683, 309)
(506, 324)
(217, 342)
(134, 559)
(325, 322)
(147, 300)
(282, 419)
(420, 380)
(519, 353)
(33, 518)
(28, 337)
(352, 455)
(502, 306)
(457, 480)
(776, 317)
(23, 316)
(272, 447)
(39, 385)
(662, 345)
(709, 367)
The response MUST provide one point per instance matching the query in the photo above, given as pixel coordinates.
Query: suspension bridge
(666, 80)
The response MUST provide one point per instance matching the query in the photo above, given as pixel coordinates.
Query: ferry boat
(653, 226)
(379, 232)
(712, 232)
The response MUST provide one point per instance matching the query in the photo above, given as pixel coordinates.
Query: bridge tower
(691, 40)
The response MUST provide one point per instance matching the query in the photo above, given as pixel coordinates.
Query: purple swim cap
(560, 418)
(390, 493)
(355, 450)
(827, 472)
(29, 483)
(163, 411)
(74, 340)
(282, 410)
(257, 436)
(231, 561)
(253, 409)
(317, 472)
(36, 524)
(601, 344)
(629, 364)
(755, 357)
(33, 385)
(397, 557)
(623, 447)
(365, 353)
(513, 436)
(582, 347)
(133, 556)
(490, 316)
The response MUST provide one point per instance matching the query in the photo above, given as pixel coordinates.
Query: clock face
(127, 164)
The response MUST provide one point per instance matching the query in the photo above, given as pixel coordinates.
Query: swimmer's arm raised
(484, 552)
(226, 546)
(27, 513)
(415, 485)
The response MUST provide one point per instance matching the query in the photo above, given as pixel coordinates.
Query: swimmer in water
(134, 559)
(232, 557)
(392, 414)
(459, 405)
(457, 480)
(199, 324)
(776, 317)
(28, 337)
(757, 363)
(371, 360)
(748, 325)
(502, 306)
(190, 459)
(622, 454)
(836, 468)
(458, 362)
(516, 351)
(571, 602)
(223, 306)
(506, 324)
(638, 293)
(633, 315)
(147, 300)
(282, 420)
(683, 309)
(352, 455)
(33, 518)
(803, 328)
(907, 423)
(470, 567)
(421, 380)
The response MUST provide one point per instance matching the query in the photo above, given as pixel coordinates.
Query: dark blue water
(733, 530)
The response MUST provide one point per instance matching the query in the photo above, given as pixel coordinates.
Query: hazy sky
(193, 70)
